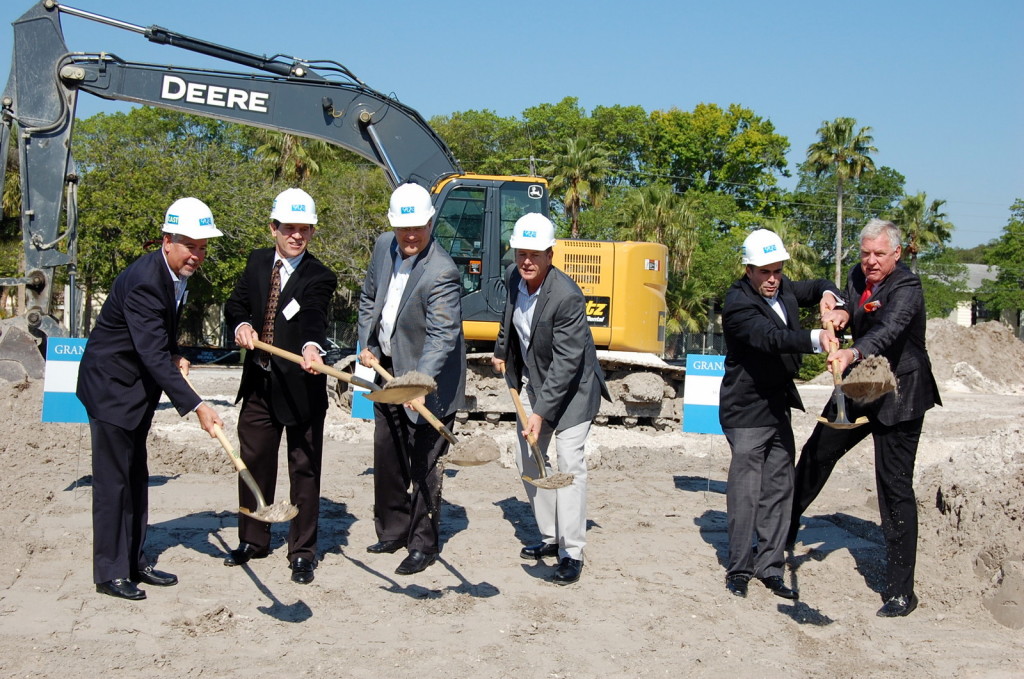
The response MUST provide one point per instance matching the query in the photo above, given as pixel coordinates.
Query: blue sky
(940, 83)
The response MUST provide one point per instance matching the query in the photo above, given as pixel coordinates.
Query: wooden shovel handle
(419, 407)
(319, 367)
(837, 376)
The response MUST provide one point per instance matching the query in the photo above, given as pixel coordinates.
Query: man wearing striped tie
(282, 298)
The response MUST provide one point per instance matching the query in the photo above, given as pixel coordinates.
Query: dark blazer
(893, 325)
(567, 380)
(127, 360)
(762, 353)
(296, 397)
(428, 330)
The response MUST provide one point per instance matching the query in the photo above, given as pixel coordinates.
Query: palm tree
(656, 213)
(846, 152)
(577, 174)
(292, 158)
(923, 226)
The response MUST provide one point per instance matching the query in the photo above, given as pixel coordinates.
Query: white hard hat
(410, 206)
(533, 231)
(294, 206)
(190, 217)
(763, 247)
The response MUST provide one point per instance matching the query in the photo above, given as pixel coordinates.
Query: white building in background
(966, 313)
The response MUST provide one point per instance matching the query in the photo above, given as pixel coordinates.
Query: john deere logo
(408, 210)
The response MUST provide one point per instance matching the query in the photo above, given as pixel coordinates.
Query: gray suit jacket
(564, 373)
(428, 330)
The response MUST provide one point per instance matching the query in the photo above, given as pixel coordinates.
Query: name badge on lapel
(290, 309)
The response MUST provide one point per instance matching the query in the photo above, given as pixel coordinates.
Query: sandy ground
(651, 601)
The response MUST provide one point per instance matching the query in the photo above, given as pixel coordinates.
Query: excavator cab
(476, 214)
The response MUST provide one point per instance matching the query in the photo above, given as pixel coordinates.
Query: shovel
(839, 398)
(559, 480)
(278, 512)
(397, 393)
(484, 449)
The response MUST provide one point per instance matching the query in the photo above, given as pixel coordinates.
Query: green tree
(845, 152)
(924, 225)
(291, 158)
(731, 151)
(577, 177)
(812, 207)
(162, 156)
(1006, 293)
(485, 142)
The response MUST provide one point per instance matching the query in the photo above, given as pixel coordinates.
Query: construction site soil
(651, 601)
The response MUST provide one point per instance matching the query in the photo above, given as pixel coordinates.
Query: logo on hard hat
(205, 221)
(769, 248)
(529, 234)
(408, 210)
(172, 219)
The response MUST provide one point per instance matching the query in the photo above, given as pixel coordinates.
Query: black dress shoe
(150, 576)
(568, 571)
(245, 551)
(898, 606)
(386, 546)
(302, 571)
(121, 588)
(737, 584)
(778, 587)
(538, 551)
(415, 562)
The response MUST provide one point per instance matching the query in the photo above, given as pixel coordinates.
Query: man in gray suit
(549, 349)
(764, 341)
(410, 318)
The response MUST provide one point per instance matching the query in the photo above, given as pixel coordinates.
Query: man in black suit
(130, 359)
(549, 348)
(410, 318)
(888, 320)
(764, 342)
(282, 298)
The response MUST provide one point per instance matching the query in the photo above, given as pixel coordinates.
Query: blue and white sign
(701, 393)
(63, 356)
(362, 407)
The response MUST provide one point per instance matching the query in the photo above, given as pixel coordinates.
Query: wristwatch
(857, 356)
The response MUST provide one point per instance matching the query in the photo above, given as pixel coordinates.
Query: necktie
(866, 295)
(270, 315)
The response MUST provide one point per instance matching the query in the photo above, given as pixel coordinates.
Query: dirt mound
(979, 493)
(985, 358)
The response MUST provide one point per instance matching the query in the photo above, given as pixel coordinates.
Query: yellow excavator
(624, 282)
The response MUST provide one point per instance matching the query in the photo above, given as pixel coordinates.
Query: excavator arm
(329, 104)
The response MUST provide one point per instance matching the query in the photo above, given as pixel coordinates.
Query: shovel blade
(397, 394)
(279, 512)
(843, 424)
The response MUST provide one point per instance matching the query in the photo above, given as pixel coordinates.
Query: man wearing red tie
(282, 299)
(889, 321)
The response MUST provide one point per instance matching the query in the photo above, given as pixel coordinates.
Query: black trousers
(259, 438)
(120, 499)
(895, 454)
(406, 454)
